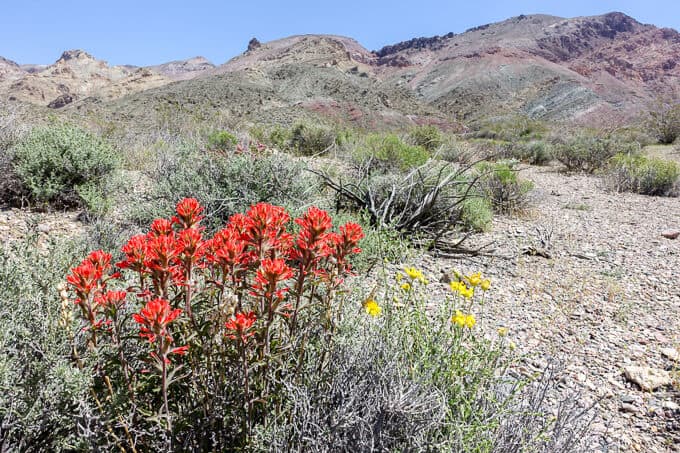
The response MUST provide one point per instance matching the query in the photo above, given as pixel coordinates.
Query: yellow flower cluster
(464, 320)
(462, 289)
(372, 308)
(415, 274)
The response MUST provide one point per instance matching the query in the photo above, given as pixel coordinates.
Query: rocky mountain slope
(581, 69)
(544, 66)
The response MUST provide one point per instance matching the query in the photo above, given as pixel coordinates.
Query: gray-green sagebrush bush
(501, 186)
(64, 166)
(224, 184)
(589, 152)
(401, 378)
(44, 403)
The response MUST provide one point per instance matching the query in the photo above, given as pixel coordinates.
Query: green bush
(535, 152)
(221, 141)
(309, 140)
(477, 214)
(664, 121)
(499, 183)
(589, 152)
(641, 174)
(428, 137)
(64, 166)
(386, 153)
(225, 185)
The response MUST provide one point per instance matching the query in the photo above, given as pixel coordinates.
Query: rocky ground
(602, 294)
(604, 299)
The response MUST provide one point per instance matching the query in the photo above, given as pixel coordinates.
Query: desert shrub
(589, 152)
(221, 141)
(428, 137)
(512, 129)
(44, 404)
(383, 153)
(476, 214)
(311, 140)
(401, 378)
(499, 183)
(641, 174)
(63, 166)
(424, 204)
(12, 190)
(279, 137)
(535, 152)
(664, 121)
(225, 184)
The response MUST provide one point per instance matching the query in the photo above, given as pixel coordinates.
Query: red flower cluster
(239, 325)
(254, 256)
(88, 281)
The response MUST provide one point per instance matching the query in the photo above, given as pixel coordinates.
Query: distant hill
(587, 69)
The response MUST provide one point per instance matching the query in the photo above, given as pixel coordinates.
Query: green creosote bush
(225, 185)
(588, 152)
(221, 141)
(477, 214)
(311, 140)
(386, 153)
(63, 166)
(664, 121)
(499, 183)
(641, 174)
(428, 137)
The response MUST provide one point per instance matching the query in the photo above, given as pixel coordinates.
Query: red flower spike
(188, 213)
(181, 350)
(154, 319)
(111, 300)
(273, 271)
(239, 325)
(135, 252)
(161, 227)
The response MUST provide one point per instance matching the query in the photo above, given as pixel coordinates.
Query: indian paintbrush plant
(187, 333)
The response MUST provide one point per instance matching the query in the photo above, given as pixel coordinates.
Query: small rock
(44, 228)
(670, 405)
(628, 399)
(670, 234)
(647, 378)
(671, 353)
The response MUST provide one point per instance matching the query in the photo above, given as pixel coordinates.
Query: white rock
(647, 378)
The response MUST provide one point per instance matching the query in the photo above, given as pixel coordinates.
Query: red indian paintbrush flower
(239, 325)
(161, 227)
(154, 319)
(188, 213)
(135, 252)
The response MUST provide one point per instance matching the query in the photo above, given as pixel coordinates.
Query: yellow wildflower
(464, 320)
(512, 345)
(502, 331)
(415, 274)
(406, 287)
(455, 286)
(486, 283)
(372, 308)
(474, 279)
(466, 292)
(398, 277)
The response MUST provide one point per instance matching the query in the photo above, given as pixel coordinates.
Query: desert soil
(607, 297)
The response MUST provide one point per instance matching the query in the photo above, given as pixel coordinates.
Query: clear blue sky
(145, 32)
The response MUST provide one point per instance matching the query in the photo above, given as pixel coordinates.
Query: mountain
(183, 69)
(584, 69)
(544, 66)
